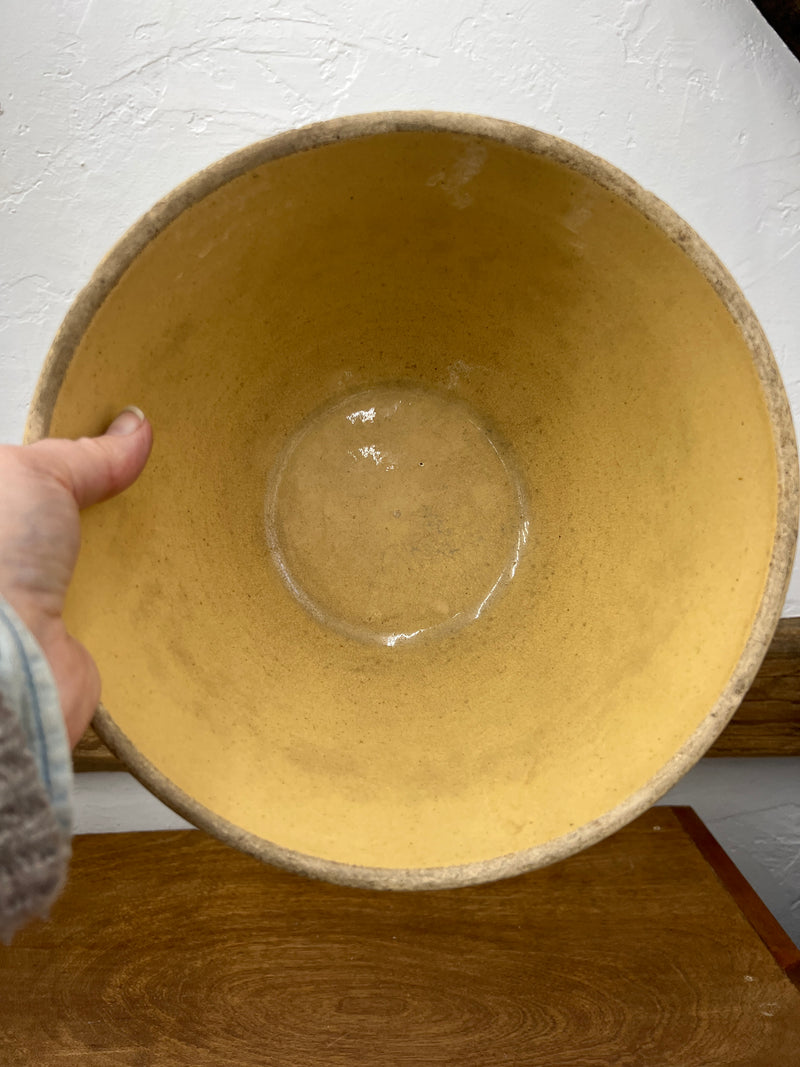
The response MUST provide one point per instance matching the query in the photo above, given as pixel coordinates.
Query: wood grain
(92, 755)
(767, 723)
(170, 948)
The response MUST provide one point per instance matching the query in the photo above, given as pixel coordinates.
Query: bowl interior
(567, 529)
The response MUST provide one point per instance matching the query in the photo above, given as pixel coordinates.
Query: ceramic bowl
(471, 510)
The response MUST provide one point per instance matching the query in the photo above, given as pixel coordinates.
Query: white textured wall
(107, 105)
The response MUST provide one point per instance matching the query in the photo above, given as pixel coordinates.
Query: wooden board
(767, 723)
(92, 755)
(170, 948)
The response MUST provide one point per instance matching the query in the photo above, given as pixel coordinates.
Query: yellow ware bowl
(471, 510)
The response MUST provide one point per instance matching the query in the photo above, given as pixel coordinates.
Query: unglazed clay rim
(195, 189)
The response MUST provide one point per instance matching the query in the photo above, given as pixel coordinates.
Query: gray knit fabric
(27, 686)
(34, 850)
(35, 780)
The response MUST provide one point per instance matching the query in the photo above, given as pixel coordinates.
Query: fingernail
(128, 421)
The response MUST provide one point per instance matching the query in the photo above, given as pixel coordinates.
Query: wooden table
(170, 948)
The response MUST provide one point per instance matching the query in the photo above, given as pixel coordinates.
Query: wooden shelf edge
(784, 951)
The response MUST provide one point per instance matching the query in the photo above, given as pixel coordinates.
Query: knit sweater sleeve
(35, 780)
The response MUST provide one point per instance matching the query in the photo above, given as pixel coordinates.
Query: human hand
(42, 488)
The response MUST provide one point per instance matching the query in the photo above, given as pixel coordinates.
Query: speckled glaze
(512, 269)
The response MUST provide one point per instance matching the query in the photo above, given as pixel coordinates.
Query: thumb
(96, 468)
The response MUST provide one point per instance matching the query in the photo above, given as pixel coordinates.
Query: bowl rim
(109, 272)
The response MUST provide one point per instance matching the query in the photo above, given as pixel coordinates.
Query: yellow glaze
(613, 407)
